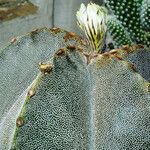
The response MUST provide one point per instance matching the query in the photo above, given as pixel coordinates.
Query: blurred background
(18, 17)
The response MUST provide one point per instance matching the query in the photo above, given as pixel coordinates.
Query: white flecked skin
(19, 67)
(100, 106)
(141, 59)
(145, 14)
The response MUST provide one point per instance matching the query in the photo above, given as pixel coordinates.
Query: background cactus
(141, 60)
(103, 105)
(130, 23)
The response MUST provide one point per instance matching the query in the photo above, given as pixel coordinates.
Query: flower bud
(92, 20)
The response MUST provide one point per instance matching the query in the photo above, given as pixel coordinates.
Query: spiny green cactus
(103, 105)
(130, 17)
(117, 31)
(145, 14)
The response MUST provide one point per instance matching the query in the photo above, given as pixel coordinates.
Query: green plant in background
(130, 23)
(71, 104)
(145, 14)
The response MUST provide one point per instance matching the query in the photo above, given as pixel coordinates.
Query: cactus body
(19, 67)
(20, 59)
(71, 105)
(144, 16)
(141, 59)
(138, 56)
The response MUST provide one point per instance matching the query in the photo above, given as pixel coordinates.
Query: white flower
(92, 20)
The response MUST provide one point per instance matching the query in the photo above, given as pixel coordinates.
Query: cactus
(138, 56)
(79, 100)
(72, 105)
(19, 61)
(130, 23)
(20, 58)
(141, 60)
(144, 14)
